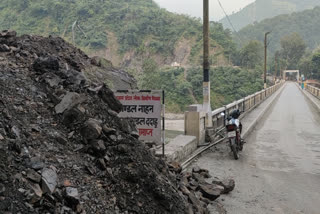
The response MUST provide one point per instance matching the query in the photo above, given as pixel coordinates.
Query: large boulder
(228, 184)
(211, 192)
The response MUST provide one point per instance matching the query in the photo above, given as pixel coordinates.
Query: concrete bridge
(279, 169)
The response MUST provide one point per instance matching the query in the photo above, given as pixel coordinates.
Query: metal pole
(163, 124)
(275, 68)
(265, 59)
(206, 64)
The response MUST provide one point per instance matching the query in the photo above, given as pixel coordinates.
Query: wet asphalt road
(279, 169)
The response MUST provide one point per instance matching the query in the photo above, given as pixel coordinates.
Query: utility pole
(206, 64)
(265, 59)
(275, 67)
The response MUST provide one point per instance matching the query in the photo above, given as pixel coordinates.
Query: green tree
(310, 65)
(292, 50)
(251, 55)
(316, 66)
(306, 67)
(150, 73)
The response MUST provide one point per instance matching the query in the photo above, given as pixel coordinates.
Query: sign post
(146, 109)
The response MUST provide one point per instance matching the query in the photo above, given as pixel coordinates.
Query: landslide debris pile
(63, 149)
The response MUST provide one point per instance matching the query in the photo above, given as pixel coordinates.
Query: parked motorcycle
(234, 129)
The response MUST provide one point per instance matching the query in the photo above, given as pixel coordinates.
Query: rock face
(50, 135)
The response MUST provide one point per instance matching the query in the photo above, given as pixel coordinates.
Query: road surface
(279, 169)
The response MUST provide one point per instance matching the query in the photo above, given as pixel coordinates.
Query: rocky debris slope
(199, 192)
(64, 149)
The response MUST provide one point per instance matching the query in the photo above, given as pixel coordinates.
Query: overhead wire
(226, 16)
(236, 33)
(232, 26)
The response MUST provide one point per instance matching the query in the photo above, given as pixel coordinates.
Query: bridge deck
(279, 169)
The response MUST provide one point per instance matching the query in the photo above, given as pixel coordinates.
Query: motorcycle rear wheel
(241, 146)
(234, 149)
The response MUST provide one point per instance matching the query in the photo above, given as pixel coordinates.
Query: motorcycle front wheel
(234, 149)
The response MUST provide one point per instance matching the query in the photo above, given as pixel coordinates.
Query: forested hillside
(293, 43)
(262, 9)
(184, 86)
(121, 31)
(306, 24)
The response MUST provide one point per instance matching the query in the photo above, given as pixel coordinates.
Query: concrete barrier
(195, 123)
(179, 148)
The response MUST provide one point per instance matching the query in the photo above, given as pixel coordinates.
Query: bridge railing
(313, 90)
(245, 105)
(196, 120)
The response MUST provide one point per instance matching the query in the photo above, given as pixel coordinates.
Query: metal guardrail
(313, 90)
(245, 105)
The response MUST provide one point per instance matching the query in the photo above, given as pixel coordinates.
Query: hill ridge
(264, 9)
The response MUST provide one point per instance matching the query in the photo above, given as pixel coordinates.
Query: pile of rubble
(197, 190)
(64, 149)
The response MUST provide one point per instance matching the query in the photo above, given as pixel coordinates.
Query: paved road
(279, 169)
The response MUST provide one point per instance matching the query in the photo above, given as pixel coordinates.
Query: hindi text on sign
(144, 108)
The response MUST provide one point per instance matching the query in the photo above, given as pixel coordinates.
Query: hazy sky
(194, 7)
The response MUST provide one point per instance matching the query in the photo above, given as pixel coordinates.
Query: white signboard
(145, 109)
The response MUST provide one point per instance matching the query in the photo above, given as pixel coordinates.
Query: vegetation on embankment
(184, 86)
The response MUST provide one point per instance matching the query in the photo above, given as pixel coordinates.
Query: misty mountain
(305, 23)
(262, 9)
